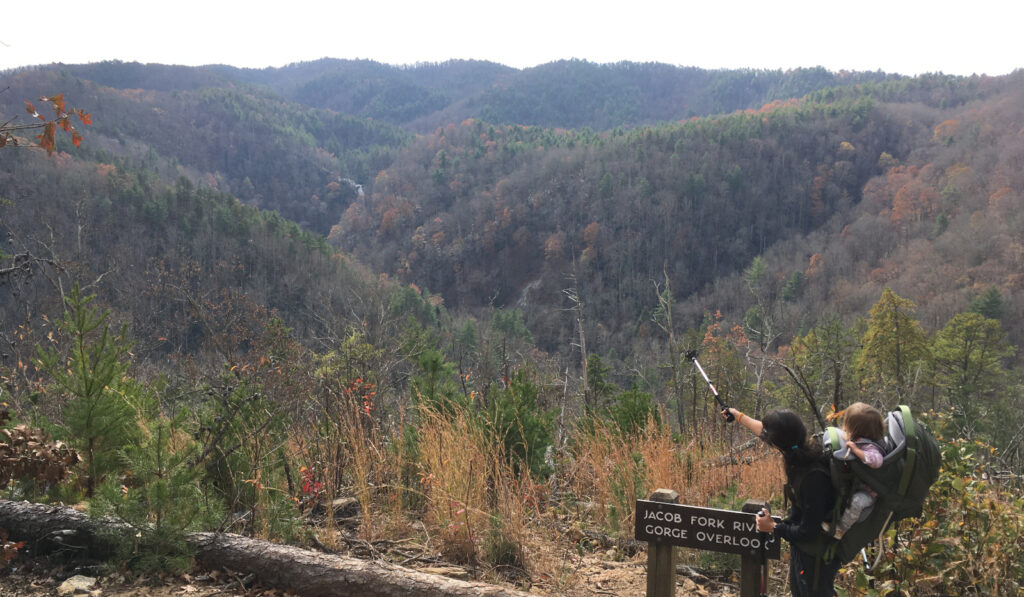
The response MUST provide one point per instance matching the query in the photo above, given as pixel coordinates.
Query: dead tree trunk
(313, 574)
(48, 528)
(297, 570)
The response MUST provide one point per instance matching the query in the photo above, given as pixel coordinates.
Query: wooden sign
(710, 529)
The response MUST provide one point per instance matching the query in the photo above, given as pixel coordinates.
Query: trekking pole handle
(767, 511)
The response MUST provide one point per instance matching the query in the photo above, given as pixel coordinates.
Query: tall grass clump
(455, 471)
(343, 455)
(477, 495)
(614, 467)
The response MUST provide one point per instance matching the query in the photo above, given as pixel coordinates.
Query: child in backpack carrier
(864, 427)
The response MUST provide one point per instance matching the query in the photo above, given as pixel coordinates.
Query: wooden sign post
(661, 556)
(665, 524)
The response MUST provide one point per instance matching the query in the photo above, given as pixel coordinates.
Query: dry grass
(342, 457)
(455, 485)
(475, 504)
(455, 466)
(366, 463)
(613, 470)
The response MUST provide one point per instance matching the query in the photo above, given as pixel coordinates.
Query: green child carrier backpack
(909, 468)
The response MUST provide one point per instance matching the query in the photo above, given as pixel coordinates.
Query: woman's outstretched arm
(750, 423)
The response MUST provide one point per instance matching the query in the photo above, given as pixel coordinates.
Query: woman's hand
(765, 522)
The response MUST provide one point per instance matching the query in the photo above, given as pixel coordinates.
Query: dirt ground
(587, 576)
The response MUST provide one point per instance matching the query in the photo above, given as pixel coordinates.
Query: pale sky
(897, 36)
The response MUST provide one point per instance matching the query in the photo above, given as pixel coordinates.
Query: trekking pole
(692, 355)
(766, 539)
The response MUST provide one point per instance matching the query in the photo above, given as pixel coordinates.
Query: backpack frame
(909, 468)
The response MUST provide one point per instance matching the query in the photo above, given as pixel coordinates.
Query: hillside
(487, 214)
(303, 163)
(503, 216)
(937, 224)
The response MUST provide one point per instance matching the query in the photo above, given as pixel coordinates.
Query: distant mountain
(366, 89)
(305, 163)
(488, 212)
(507, 216)
(563, 94)
(303, 140)
(576, 94)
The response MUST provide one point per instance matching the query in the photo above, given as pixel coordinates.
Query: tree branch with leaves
(63, 117)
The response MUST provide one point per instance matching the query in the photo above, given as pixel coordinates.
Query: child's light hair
(863, 421)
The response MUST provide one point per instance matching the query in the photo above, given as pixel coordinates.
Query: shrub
(520, 426)
(243, 434)
(632, 410)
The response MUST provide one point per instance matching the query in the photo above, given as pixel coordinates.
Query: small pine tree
(989, 304)
(160, 496)
(632, 409)
(598, 389)
(89, 375)
(523, 428)
(435, 387)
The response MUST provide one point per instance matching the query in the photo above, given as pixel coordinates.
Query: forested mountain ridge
(506, 215)
(157, 252)
(565, 94)
(500, 214)
(302, 162)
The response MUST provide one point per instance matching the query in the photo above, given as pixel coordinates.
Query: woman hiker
(810, 493)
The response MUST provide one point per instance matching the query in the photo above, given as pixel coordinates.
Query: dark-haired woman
(810, 494)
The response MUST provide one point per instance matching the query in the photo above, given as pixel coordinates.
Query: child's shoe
(836, 533)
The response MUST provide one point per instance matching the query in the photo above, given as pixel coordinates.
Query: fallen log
(48, 528)
(301, 571)
(310, 573)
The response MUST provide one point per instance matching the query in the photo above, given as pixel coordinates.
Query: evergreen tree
(989, 304)
(761, 319)
(631, 410)
(89, 376)
(894, 348)
(794, 287)
(968, 358)
(161, 498)
(598, 388)
(523, 428)
(435, 387)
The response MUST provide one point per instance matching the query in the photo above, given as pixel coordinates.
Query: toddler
(864, 428)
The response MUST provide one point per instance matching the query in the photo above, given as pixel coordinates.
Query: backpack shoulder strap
(832, 440)
(910, 428)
